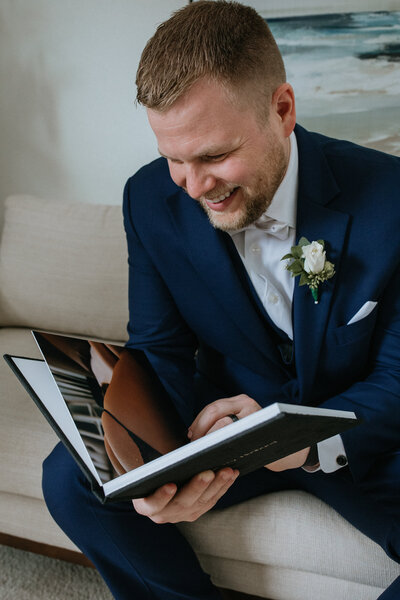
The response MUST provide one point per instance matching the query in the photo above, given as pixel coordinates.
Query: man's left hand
(216, 415)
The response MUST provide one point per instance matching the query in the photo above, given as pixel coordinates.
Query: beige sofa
(63, 268)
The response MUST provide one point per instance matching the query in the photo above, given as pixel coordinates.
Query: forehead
(205, 118)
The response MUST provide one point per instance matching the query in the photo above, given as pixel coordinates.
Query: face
(221, 154)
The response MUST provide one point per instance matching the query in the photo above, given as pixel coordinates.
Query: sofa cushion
(25, 436)
(63, 267)
(290, 531)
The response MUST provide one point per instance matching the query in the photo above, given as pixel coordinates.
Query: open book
(128, 445)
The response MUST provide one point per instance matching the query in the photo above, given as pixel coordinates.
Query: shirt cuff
(332, 455)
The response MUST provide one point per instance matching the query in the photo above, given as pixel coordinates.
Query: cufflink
(341, 460)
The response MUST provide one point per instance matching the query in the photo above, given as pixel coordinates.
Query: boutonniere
(309, 261)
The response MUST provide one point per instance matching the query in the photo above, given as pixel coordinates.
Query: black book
(129, 444)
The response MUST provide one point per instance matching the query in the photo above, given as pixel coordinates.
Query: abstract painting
(345, 70)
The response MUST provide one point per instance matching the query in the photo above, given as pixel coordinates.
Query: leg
(136, 558)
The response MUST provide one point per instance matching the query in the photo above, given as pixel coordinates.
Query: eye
(215, 157)
(175, 161)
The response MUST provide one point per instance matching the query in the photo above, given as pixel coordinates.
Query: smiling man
(225, 326)
(230, 159)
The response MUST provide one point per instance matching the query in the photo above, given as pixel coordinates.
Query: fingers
(219, 424)
(167, 505)
(205, 421)
(156, 502)
(217, 484)
(222, 482)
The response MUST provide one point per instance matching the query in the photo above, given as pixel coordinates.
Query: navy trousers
(140, 560)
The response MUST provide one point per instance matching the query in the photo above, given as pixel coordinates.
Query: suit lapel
(315, 220)
(208, 251)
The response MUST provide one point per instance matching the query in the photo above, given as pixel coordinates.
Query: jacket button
(341, 460)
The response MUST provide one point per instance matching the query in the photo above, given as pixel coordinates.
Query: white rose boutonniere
(314, 257)
(309, 261)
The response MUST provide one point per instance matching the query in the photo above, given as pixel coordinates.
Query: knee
(63, 485)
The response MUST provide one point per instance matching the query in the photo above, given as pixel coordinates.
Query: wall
(69, 127)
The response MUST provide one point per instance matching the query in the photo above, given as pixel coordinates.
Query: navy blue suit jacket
(195, 313)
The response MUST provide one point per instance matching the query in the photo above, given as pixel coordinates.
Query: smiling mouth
(219, 199)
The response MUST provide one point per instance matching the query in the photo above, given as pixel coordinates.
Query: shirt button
(256, 249)
(273, 298)
(341, 460)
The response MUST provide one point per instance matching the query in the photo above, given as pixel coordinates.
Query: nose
(196, 180)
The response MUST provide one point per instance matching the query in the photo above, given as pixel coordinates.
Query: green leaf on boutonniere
(296, 252)
(296, 268)
(304, 280)
(302, 242)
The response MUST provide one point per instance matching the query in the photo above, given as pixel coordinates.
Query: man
(224, 325)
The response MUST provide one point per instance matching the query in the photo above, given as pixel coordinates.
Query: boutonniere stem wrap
(308, 260)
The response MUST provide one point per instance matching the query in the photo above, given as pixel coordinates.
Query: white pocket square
(364, 311)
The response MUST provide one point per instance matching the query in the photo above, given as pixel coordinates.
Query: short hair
(220, 40)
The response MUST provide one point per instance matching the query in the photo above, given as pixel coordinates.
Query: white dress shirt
(261, 247)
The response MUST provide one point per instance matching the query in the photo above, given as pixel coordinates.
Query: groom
(225, 326)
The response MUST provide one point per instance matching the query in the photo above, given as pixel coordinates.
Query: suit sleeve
(376, 399)
(155, 324)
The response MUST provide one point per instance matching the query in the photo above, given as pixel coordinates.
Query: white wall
(69, 127)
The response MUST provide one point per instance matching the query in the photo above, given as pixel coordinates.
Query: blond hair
(223, 41)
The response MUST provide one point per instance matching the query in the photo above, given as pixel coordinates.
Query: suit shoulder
(154, 179)
(353, 156)
(369, 177)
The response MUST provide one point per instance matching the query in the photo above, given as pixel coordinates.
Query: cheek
(233, 171)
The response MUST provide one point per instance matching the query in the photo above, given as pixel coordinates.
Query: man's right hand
(169, 504)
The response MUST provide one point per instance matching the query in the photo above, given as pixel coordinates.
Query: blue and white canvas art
(345, 70)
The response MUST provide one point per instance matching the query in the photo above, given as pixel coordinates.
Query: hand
(293, 461)
(170, 505)
(216, 415)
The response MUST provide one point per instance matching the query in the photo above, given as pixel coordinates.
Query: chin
(224, 222)
(251, 207)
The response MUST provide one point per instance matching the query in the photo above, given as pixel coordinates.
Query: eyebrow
(212, 151)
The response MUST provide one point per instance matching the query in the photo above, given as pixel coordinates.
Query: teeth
(219, 198)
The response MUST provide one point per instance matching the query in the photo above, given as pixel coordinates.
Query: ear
(283, 108)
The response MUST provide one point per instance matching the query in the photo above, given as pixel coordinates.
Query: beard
(255, 199)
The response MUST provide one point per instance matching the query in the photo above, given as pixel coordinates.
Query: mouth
(220, 202)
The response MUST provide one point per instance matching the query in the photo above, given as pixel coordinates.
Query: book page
(120, 410)
(39, 377)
